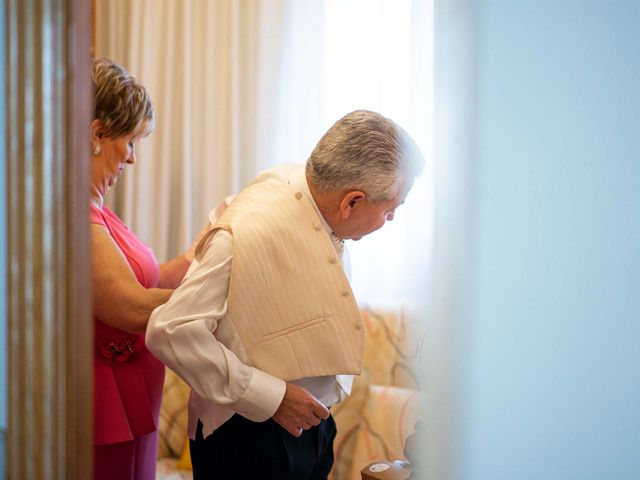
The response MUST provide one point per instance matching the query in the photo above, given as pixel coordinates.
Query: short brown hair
(121, 103)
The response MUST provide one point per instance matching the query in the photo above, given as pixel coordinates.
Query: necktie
(338, 244)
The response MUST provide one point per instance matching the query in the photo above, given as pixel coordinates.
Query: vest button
(345, 293)
(317, 227)
(298, 195)
(359, 326)
(333, 260)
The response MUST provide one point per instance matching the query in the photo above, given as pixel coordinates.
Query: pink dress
(127, 378)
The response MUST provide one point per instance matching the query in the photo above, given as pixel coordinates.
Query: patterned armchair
(384, 405)
(372, 423)
(173, 452)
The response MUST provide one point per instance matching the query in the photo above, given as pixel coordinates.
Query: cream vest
(289, 298)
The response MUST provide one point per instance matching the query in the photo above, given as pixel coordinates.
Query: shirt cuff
(262, 397)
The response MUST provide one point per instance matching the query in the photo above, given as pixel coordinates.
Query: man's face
(367, 217)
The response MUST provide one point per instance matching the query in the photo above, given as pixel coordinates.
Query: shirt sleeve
(182, 334)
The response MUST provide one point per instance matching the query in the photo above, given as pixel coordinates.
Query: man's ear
(96, 131)
(350, 202)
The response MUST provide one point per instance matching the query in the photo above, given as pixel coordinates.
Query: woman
(127, 285)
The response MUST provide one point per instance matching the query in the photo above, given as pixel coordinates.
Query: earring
(96, 151)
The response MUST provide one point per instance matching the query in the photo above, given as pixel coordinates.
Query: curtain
(378, 56)
(212, 69)
(242, 85)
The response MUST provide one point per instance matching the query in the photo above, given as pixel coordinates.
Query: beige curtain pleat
(214, 70)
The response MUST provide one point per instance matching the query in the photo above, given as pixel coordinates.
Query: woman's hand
(214, 215)
(191, 251)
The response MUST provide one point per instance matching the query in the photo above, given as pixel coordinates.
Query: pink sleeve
(95, 215)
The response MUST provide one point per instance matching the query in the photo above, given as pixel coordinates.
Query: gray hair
(364, 151)
(121, 103)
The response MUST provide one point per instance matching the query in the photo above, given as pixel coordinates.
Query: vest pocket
(309, 349)
(288, 330)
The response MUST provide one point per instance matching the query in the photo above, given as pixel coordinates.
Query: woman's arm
(119, 300)
(172, 272)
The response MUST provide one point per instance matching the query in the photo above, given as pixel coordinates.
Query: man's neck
(328, 204)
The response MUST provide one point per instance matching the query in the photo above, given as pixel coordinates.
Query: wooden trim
(49, 321)
(94, 19)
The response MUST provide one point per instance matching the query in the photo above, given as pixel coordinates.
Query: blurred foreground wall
(535, 359)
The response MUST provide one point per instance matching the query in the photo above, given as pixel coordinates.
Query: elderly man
(264, 327)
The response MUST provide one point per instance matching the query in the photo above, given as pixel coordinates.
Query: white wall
(546, 383)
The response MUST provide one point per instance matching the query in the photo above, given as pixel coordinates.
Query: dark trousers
(241, 449)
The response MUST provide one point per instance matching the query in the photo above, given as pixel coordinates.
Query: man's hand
(299, 410)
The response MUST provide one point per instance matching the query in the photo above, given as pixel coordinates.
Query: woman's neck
(95, 197)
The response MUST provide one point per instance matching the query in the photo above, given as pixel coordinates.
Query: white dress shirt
(189, 334)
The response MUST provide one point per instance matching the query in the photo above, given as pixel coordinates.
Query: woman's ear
(350, 202)
(96, 131)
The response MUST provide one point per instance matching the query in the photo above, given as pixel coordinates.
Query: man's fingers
(295, 431)
(299, 410)
(307, 424)
(321, 411)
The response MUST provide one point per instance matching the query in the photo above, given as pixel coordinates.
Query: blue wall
(554, 311)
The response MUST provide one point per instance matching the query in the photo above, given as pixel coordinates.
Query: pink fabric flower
(120, 349)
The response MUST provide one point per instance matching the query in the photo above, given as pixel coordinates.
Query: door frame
(49, 334)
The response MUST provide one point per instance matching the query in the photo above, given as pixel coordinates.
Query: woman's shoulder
(96, 214)
(102, 215)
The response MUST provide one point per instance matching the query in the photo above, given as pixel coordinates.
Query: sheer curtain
(242, 85)
(378, 56)
(212, 70)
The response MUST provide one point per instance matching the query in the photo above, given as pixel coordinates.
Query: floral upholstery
(173, 416)
(393, 341)
(173, 429)
(388, 418)
(372, 423)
